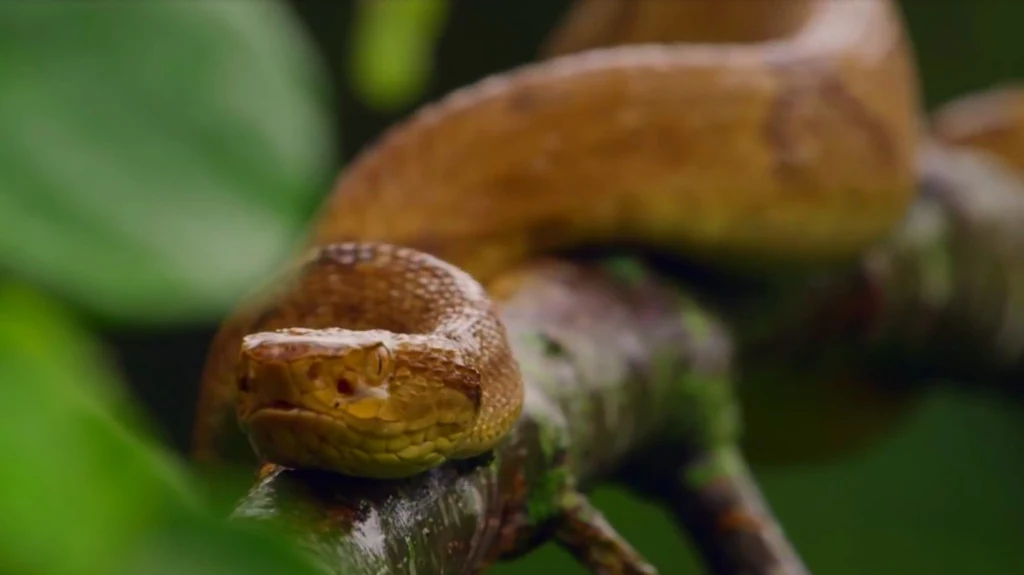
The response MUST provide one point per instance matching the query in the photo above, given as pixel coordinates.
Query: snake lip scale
(798, 144)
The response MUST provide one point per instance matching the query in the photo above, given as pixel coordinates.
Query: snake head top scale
(372, 401)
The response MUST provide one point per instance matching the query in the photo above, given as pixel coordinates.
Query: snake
(989, 121)
(778, 133)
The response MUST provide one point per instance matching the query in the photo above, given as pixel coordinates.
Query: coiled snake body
(794, 142)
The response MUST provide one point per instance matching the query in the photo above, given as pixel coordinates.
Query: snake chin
(298, 437)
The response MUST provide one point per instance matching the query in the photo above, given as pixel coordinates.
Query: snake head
(304, 367)
(357, 402)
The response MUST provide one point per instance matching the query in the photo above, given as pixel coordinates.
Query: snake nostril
(345, 386)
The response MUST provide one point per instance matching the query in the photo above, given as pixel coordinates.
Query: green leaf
(85, 490)
(156, 158)
(392, 54)
(200, 546)
(80, 480)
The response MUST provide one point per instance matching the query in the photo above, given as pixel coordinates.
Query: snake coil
(796, 142)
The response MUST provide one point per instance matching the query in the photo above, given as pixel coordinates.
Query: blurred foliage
(85, 489)
(393, 49)
(157, 158)
(64, 404)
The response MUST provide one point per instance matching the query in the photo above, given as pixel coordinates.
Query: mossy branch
(615, 362)
(943, 299)
(629, 380)
(953, 284)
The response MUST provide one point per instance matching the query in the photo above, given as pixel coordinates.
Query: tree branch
(629, 380)
(614, 361)
(942, 299)
(954, 290)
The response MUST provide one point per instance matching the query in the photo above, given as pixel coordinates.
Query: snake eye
(378, 361)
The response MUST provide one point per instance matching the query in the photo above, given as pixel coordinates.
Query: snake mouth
(299, 437)
(276, 406)
(276, 410)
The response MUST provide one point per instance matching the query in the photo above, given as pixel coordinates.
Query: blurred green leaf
(79, 480)
(392, 55)
(156, 157)
(84, 488)
(199, 546)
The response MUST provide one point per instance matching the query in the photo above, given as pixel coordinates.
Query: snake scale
(777, 132)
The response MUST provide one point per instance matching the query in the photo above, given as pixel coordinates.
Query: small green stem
(586, 534)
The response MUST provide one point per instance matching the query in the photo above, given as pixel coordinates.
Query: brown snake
(773, 131)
